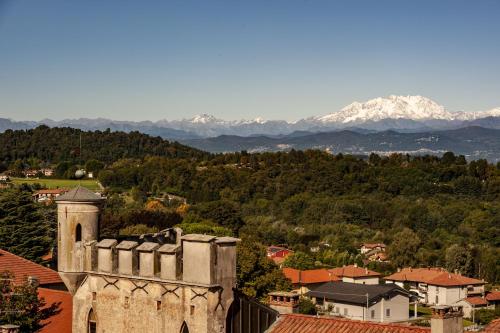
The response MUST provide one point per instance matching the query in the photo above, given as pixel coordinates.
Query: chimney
(33, 281)
(447, 319)
(355, 264)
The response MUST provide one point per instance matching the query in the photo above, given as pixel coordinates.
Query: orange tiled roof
(433, 276)
(353, 272)
(61, 322)
(294, 323)
(22, 268)
(493, 296)
(309, 276)
(493, 327)
(476, 301)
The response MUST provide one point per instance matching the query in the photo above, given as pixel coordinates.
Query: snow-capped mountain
(401, 113)
(416, 108)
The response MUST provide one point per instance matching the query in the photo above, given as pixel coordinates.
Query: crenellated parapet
(193, 259)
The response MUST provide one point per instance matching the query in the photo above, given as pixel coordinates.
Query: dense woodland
(430, 211)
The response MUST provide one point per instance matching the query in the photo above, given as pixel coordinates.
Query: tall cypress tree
(26, 228)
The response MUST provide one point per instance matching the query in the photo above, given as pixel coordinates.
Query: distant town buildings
(381, 302)
(305, 280)
(278, 254)
(48, 195)
(436, 286)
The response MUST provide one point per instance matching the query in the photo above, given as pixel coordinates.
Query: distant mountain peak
(416, 108)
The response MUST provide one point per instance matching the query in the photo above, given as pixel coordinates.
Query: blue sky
(150, 60)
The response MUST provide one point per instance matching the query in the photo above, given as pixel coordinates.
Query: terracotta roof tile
(434, 276)
(61, 322)
(493, 327)
(309, 276)
(493, 296)
(325, 275)
(294, 323)
(353, 272)
(476, 301)
(22, 268)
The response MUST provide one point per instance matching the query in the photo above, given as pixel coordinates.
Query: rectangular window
(346, 311)
(94, 296)
(387, 312)
(437, 299)
(158, 305)
(319, 301)
(372, 315)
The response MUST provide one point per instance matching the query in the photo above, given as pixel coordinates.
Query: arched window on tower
(92, 322)
(184, 328)
(78, 233)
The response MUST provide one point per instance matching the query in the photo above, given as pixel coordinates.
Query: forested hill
(54, 145)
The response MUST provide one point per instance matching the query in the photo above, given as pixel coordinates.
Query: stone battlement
(192, 259)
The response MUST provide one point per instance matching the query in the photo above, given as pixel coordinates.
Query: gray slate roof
(80, 194)
(355, 293)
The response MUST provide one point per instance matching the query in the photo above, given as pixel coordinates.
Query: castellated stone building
(169, 283)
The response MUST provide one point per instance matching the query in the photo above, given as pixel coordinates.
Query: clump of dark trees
(431, 211)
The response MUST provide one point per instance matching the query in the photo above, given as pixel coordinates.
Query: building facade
(178, 283)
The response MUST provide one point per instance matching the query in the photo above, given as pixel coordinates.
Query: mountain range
(413, 124)
(400, 113)
(473, 142)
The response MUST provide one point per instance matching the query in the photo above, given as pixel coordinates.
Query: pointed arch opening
(92, 322)
(78, 233)
(184, 328)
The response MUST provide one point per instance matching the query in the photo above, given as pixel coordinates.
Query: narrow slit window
(78, 233)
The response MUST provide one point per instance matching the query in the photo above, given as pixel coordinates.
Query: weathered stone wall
(139, 306)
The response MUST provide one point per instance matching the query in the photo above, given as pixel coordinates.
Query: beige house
(436, 286)
(379, 303)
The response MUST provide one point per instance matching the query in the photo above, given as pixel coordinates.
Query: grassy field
(58, 183)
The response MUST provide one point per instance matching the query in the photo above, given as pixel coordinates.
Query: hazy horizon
(151, 61)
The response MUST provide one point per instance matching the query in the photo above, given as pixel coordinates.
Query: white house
(379, 303)
(436, 286)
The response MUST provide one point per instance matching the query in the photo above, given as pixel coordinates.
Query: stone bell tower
(77, 225)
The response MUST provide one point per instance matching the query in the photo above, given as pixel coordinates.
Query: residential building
(380, 303)
(284, 302)
(47, 172)
(303, 281)
(372, 247)
(278, 254)
(48, 195)
(472, 304)
(493, 298)
(436, 286)
(355, 274)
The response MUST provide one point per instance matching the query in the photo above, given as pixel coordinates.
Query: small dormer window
(78, 233)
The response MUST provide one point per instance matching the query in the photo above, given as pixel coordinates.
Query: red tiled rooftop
(433, 276)
(61, 322)
(373, 245)
(22, 268)
(353, 272)
(493, 296)
(294, 323)
(325, 275)
(476, 301)
(309, 276)
(493, 327)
